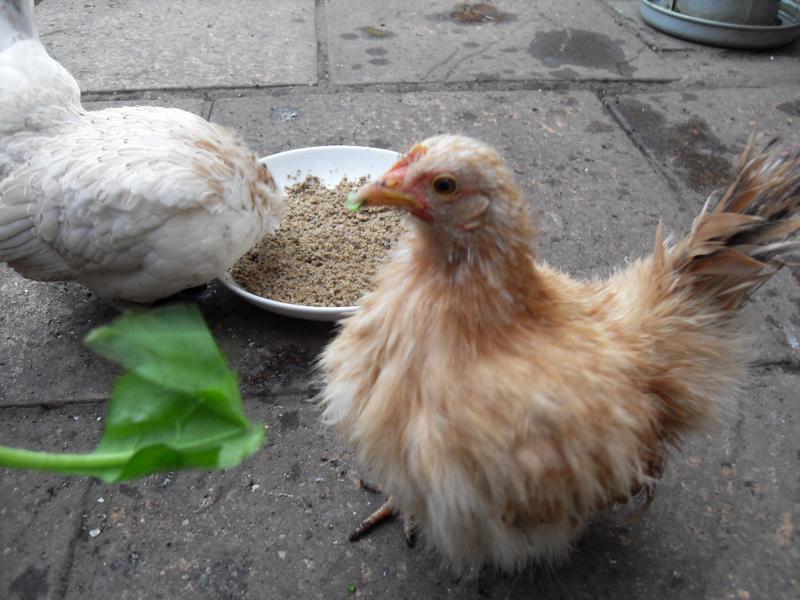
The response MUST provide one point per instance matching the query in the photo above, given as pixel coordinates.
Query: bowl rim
(332, 147)
(231, 283)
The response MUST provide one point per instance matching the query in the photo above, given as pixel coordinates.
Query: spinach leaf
(177, 406)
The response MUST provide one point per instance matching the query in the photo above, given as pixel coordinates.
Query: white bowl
(331, 164)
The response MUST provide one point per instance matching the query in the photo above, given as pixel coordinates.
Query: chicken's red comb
(417, 151)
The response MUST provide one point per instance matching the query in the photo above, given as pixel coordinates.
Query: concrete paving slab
(487, 41)
(598, 202)
(42, 356)
(41, 513)
(738, 69)
(45, 362)
(694, 137)
(146, 44)
(774, 319)
(271, 353)
(276, 526)
(708, 66)
(697, 134)
(760, 500)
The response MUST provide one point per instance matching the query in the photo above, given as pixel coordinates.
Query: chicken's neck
(489, 275)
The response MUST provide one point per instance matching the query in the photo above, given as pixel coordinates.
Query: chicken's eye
(444, 185)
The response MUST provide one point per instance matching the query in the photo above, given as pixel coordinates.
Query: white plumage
(135, 203)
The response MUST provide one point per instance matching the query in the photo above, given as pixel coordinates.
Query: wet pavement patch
(289, 420)
(489, 41)
(31, 584)
(280, 366)
(129, 491)
(565, 73)
(698, 155)
(376, 32)
(576, 47)
(790, 108)
(369, 32)
(475, 14)
(598, 127)
(126, 565)
(294, 472)
(226, 578)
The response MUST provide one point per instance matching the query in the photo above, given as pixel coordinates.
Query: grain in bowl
(323, 254)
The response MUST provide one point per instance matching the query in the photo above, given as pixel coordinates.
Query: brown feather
(748, 228)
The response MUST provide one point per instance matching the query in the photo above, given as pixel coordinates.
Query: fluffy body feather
(135, 203)
(502, 403)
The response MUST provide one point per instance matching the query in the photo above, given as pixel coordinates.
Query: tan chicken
(135, 203)
(501, 403)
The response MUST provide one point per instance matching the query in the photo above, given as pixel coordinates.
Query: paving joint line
(786, 365)
(321, 31)
(212, 104)
(55, 404)
(678, 194)
(216, 92)
(66, 575)
(268, 397)
(610, 86)
(309, 391)
(208, 107)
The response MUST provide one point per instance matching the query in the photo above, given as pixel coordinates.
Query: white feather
(16, 22)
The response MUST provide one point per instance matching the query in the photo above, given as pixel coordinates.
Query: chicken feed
(323, 254)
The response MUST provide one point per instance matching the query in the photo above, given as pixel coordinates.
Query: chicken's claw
(410, 530)
(384, 512)
(370, 487)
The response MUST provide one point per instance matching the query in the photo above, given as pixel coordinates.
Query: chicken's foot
(386, 511)
(370, 487)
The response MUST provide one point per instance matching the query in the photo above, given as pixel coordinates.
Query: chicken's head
(451, 183)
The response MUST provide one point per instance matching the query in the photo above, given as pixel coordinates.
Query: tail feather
(740, 243)
(16, 22)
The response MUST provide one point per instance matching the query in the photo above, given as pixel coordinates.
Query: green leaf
(353, 204)
(178, 405)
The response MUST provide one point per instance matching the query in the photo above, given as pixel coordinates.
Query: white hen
(135, 203)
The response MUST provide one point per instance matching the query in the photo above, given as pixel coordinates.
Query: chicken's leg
(384, 512)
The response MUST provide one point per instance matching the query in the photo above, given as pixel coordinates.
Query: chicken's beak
(387, 192)
(382, 193)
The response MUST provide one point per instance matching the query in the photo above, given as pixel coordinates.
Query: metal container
(743, 12)
(786, 29)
